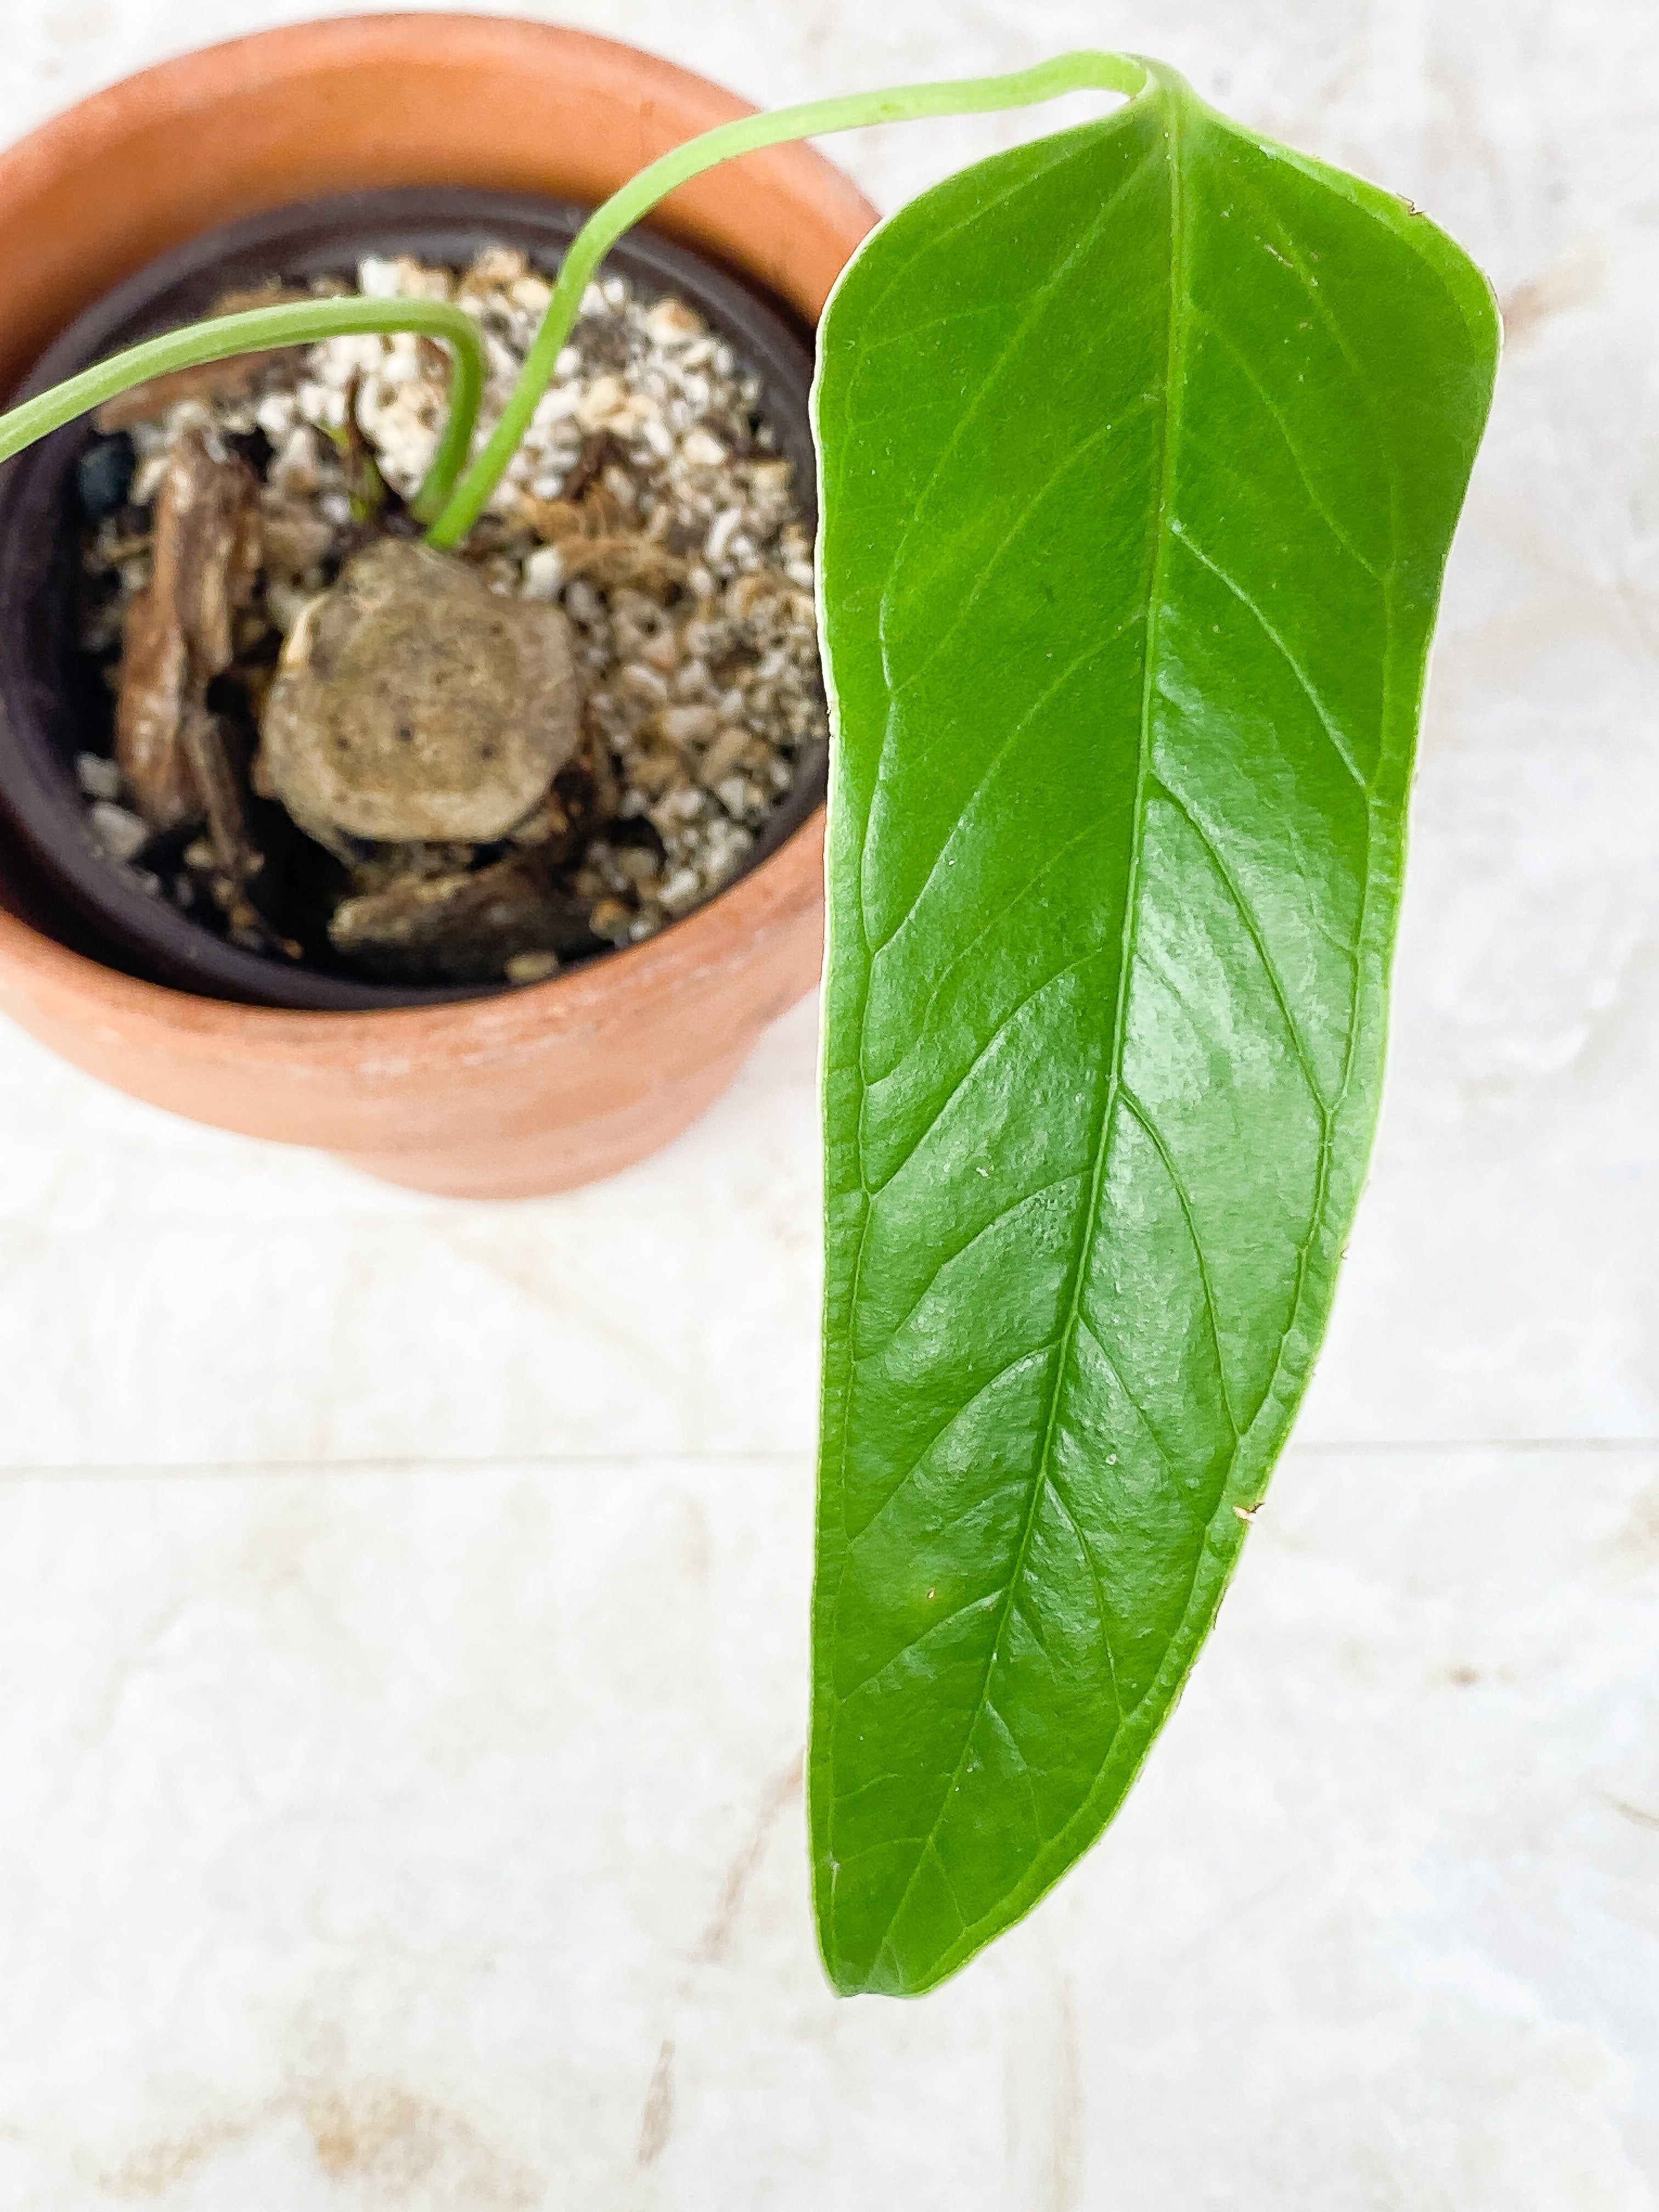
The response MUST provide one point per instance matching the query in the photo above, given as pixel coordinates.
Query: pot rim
(51, 974)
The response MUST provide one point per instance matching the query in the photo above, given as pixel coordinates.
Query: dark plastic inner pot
(42, 726)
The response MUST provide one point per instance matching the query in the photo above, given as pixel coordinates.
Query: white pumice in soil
(648, 500)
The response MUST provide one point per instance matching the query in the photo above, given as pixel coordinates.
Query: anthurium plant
(1141, 449)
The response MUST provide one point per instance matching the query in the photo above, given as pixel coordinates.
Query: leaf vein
(1082, 661)
(1075, 1526)
(1133, 1403)
(1281, 423)
(960, 1251)
(1001, 1030)
(1010, 537)
(908, 1474)
(914, 1643)
(999, 915)
(1328, 720)
(1184, 1199)
(1253, 927)
(970, 414)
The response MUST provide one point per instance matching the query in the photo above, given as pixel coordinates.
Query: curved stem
(260, 329)
(1079, 72)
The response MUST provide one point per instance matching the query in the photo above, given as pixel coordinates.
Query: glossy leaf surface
(1141, 452)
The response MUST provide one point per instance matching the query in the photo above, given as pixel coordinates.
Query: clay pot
(529, 1090)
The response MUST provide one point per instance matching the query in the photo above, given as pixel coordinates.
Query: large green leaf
(1141, 451)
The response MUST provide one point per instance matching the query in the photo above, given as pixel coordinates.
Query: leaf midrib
(1174, 375)
(1330, 1113)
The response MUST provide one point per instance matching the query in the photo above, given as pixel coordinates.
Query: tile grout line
(548, 1462)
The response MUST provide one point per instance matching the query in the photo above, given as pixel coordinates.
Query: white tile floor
(400, 1716)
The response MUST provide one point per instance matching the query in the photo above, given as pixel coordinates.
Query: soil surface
(339, 749)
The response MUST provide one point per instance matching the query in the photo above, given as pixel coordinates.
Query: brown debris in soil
(212, 381)
(209, 747)
(294, 539)
(464, 927)
(591, 528)
(179, 629)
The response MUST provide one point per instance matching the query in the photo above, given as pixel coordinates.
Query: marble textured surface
(402, 1714)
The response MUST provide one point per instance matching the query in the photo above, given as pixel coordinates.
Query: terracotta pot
(537, 1090)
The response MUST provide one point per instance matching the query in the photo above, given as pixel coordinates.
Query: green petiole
(1078, 72)
(260, 329)
(449, 501)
